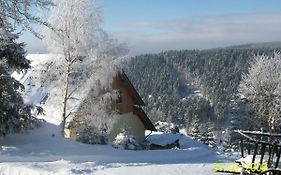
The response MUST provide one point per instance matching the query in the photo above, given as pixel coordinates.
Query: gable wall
(127, 99)
(126, 118)
(130, 122)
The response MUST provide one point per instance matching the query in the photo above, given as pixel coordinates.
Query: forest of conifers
(197, 90)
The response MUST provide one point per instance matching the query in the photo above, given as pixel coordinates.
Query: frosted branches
(262, 87)
(77, 28)
(15, 116)
(88, 53)
(22, 13)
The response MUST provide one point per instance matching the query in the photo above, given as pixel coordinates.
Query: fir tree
(15, 116)
(209, 134)
(194, 130)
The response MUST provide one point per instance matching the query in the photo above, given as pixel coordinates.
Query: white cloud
(190, 33)
(201, 33)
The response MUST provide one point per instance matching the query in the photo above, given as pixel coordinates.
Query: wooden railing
(262, 147)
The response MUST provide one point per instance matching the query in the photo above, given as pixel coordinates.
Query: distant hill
(197, 89)
(269, 45)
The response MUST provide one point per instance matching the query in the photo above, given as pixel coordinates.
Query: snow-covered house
(44, 86)
(127, 106)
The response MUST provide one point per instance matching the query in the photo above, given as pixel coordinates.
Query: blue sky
(155, 25)
(174, 9)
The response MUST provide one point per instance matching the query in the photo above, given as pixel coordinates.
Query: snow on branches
(87, 52)
(262, 87)
(15, 115)
(22, 13)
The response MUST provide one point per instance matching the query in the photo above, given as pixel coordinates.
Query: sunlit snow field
(45, 151)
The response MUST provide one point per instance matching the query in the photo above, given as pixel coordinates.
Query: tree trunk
(268, 105)
(271, 131)
(271, 117)
(271, 124)
(65, 97)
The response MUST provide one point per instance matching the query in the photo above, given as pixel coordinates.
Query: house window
(118, 98)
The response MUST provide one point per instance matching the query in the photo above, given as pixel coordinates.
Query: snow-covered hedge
(90, 135)
(125, 140)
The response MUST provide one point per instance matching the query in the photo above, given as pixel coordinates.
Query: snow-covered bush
(202, 132)
(166, 127)
(126, 140)
(91, 135)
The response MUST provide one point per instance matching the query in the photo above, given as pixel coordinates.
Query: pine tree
(239, 116)
(15, 116)
(209, 135)
(194, 130)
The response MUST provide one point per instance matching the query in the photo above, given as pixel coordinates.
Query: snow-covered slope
(44, 151)
(44, 85)
(38, 89)
(42, 145)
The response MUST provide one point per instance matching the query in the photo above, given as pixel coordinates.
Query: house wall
(71, 133)
(132, 123)
(127, 98)
(127, 120)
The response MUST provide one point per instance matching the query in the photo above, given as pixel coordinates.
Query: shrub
(90, 135)
(125, 140)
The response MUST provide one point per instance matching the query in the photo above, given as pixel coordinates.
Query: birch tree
(262, 87)
(82, 43)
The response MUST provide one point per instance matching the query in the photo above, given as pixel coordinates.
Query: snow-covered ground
(44, 151)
